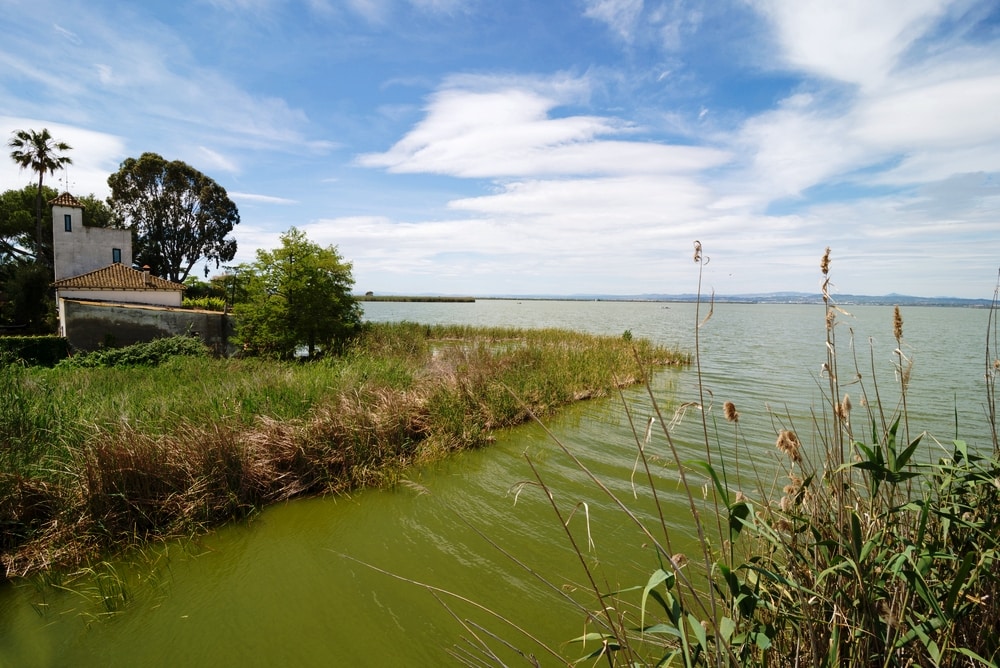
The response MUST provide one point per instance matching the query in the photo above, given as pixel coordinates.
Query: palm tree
(38, 152)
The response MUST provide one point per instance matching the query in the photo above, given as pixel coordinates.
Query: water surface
(292, 587)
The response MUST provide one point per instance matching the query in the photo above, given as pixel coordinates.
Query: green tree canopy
(296, 296)
(40, 153)
(179, 216)
(29, 304)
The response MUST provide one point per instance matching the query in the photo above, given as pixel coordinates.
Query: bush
(34, 350)
(205, 303)
(140, 354)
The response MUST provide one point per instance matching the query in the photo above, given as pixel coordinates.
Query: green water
(298, 585)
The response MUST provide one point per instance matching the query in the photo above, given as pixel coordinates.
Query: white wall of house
(79, 250)
(151, 297)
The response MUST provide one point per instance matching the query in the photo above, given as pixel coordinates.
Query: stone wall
(89, 325)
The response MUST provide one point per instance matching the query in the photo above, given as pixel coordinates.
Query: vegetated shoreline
(100, 459)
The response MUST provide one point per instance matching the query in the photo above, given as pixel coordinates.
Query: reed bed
(96, 459)
(867, 544)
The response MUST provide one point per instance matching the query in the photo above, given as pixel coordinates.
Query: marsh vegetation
(128, 446)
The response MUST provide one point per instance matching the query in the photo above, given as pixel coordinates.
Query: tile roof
(117, 277)
(67, 200)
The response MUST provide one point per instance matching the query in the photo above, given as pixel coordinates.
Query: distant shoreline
(775, 298)
(403, 298)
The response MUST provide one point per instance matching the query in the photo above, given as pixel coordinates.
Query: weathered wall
(90, 325)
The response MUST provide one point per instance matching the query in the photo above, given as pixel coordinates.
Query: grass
(861, 548)
(99, 454)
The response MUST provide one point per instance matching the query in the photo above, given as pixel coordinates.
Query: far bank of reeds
(94, 459)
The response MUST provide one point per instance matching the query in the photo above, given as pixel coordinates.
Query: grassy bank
(94, 459)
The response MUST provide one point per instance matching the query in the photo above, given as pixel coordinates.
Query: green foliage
(30, 304)
(296, 296)
(17, 223)
(34, 350)
(195, 288)
(205, 303)
(179, 215)
(139, 354)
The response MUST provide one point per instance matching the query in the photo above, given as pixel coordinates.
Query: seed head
(729, 410)
(697, 251)
(843, 409)
(789, 444)
(824, 264)
(897, 324)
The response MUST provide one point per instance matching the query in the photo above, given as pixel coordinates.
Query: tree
(38, 152)
(178, 215)
(29, 304)
(296, 296)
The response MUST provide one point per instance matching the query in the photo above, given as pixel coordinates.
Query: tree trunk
(39, 251)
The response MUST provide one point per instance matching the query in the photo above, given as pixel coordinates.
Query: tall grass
(861, 548)
(97, 454)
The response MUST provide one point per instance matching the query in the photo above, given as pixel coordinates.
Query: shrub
(34, 350)
(205, 303)
(140, 354)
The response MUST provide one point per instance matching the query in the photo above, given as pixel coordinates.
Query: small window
(68, 222)
(116, 255)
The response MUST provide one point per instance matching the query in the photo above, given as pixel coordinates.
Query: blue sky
(487, 147)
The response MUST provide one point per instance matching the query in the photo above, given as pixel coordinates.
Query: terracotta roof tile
(117, 277)
(67, 200)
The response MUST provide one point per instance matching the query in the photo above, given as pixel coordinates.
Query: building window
(68, 222)
(116, 255)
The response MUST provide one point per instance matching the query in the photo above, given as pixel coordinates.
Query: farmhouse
(103, 301)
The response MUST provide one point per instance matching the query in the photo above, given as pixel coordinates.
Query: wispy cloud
(261, 199)
(852, 41)
(509, 131)
(621, 16)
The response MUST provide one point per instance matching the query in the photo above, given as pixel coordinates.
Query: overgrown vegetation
(150, 353)
(867, 551)
(33, 350)
(129, 445)
(205, 303)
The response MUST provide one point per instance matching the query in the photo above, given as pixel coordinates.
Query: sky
(557, 147)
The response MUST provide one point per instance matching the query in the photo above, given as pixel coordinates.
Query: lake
(317, 582)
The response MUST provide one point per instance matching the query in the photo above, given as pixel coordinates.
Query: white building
(93, 268)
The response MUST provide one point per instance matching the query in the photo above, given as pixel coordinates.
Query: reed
(860, 549)
(125, 447)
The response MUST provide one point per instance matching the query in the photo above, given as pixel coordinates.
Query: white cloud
(510, 131)
(854, 41)
(95, 156)
(216, 160)
(261, 199)
(620, 15)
